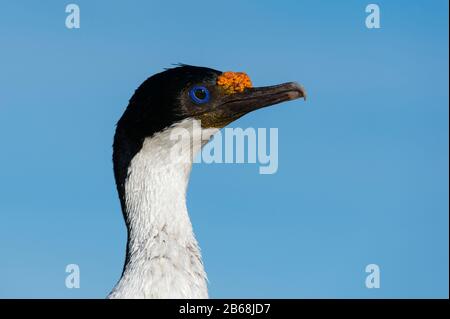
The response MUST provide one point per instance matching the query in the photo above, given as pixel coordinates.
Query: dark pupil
(200, 94)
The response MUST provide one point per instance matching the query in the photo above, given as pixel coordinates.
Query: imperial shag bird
(163, 257)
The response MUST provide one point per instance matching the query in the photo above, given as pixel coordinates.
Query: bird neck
(163, 257)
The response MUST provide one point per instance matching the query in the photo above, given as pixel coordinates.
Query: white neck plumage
(164, 259)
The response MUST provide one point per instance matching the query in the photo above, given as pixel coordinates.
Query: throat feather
(164, 259)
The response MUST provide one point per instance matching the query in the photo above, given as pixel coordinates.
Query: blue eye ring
(199, 94)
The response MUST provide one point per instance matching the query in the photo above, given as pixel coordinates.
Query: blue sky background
(363, 165)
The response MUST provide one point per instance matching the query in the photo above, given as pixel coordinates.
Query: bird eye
(199, 94)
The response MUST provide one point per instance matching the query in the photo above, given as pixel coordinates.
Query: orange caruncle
(234, 82)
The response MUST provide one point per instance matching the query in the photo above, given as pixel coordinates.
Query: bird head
(211, 97)
(215, 98)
